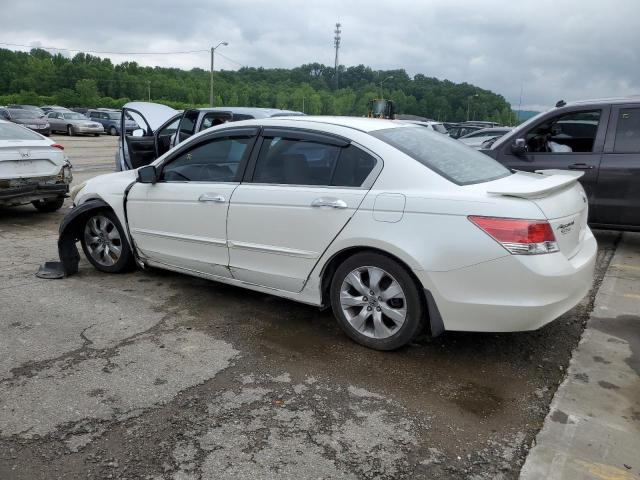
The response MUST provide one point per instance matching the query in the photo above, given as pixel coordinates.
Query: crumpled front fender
(70, 232)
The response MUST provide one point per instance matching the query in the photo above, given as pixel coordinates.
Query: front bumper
(512, 293)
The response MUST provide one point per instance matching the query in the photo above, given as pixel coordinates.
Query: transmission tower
(336, 43)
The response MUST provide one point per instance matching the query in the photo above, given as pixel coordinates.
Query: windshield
(74, 116)
(11, 131)
(24, 114)
(449, 158)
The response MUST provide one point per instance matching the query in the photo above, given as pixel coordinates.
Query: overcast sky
(570, 49)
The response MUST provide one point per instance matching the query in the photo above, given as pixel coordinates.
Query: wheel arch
(71, 229)
(434, 319)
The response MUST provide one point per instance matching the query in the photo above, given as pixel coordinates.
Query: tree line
(40, 78)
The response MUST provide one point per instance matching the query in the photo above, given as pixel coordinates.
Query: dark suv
(598, 137)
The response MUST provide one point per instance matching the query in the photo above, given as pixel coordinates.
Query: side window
(295, 162)
(354, 166)
(572, 132)
(628, 131)
(211, 120)
(188, 123)
(216, 160)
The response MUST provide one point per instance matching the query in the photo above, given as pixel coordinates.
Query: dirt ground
(158, 375)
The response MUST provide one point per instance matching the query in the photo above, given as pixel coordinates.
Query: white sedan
(394, 226)
(33, 169)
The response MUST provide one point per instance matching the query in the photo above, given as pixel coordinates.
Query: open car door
(147, 143)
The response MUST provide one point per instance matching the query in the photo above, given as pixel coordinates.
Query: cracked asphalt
(157, 375)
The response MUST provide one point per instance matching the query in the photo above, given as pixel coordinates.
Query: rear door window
(451, 159)
(188, 124)
(628, 131)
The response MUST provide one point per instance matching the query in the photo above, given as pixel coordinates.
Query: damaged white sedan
(395, 227)
(33, 169)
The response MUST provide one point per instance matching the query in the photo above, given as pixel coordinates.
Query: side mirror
(138, 133)
(519, 147)
(147, 174)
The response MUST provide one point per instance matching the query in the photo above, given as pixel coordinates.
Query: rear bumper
(99, 129)
(512, 293)
(31, 192)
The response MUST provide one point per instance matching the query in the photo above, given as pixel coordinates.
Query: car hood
(155, 114)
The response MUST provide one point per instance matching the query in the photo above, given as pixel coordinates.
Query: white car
(392, 225)
(33, 169)
(477, 138)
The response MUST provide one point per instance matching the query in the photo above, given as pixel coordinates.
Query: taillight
(520, 237)
(57, 145)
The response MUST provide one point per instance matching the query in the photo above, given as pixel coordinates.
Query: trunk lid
(558, 195)
(18, 160)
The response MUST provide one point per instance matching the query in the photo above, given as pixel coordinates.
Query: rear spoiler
(521, 184)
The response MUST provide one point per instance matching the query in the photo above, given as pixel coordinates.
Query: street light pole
(469, 104)
(213, 50)
(381, 90)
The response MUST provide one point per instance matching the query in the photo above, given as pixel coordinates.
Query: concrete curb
(592, 430)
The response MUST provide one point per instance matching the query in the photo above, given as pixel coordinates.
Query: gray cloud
(567, 49)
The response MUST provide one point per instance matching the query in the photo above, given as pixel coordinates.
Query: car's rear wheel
(48, 206)
(104, 243)
(376, 301)
(70, 131)
(113, 131)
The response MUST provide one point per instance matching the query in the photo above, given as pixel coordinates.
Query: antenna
(336, 44)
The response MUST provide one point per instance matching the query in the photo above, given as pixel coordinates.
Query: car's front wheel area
(104, 243)
(376, 301)
(48, 205)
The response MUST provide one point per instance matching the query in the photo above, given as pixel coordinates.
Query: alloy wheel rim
(102, 240)
(373, 302)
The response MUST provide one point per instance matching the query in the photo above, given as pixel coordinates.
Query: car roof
(358, 123)
(255, 112)
(601, 101)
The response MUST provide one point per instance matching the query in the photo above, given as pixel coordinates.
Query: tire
(70, 130)
(96, 134)
(48, 206)
(101, 229)
(113, 132)
(373, 320)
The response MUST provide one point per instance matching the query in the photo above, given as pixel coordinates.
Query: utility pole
(213, 51)
(336, 44)
(519, 103)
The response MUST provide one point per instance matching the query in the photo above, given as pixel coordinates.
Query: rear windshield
(24, 114)
(447, 157)
(11, 131)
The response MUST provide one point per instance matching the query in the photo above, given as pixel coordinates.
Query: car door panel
(174, 224)
(618, 186)
(181, 220)
(277, 233)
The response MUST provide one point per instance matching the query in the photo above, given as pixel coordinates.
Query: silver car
(73, 123)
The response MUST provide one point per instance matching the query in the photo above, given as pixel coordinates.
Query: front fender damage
(69, 234)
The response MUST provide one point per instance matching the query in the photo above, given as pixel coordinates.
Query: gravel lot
(161, 376)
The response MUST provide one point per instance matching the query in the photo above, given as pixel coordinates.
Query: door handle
(211, 197)
(328, 202)
(580, 166)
